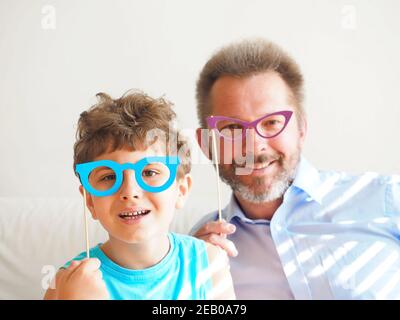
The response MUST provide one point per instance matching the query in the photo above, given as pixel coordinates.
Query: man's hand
(215, 232)
(82, 280)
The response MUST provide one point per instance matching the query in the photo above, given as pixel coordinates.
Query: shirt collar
(233, 210)
(306, 179)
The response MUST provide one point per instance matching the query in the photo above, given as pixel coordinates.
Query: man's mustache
(258, 160)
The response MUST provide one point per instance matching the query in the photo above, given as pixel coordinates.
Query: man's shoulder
(368, 188)
(342, 178)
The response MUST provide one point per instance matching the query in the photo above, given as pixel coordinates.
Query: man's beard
(261, 190)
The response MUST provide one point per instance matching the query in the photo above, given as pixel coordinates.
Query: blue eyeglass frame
(84, 170)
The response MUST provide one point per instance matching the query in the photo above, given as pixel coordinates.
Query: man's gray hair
(243, 59)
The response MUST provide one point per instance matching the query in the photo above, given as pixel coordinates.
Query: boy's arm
(82, 280)
(222, 284)
(51, 293)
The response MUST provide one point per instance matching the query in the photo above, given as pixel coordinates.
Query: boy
(133, 184)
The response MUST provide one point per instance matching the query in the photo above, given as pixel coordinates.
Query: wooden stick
(215, 157)
(86, 224)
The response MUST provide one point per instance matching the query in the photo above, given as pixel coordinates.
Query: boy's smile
(133, 215)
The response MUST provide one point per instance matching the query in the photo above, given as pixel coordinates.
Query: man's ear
(89, 202)
(184, 186)
(203, 139)
(303, 126)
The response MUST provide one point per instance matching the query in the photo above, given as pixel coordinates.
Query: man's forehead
(254, 95)
(264, 82)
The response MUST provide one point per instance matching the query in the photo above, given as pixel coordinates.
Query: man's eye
(149, 173)
(108, 177)
(272, 122)
(232, 126)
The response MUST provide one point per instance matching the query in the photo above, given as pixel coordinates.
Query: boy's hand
(215, 232)
(82, 280)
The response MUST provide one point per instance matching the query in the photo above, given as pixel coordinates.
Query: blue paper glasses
(104, 177)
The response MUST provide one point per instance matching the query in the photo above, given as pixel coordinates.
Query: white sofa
(37, 235)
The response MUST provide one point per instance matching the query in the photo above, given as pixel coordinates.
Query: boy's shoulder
(198, 246)
(212, 216)
(186, 240)
(211, 249)
(190, 245)
(93, 253)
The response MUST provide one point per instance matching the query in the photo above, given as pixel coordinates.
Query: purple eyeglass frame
(212, 123)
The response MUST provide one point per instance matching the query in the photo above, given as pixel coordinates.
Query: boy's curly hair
(113, 124)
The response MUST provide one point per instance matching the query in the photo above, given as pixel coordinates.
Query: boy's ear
(203, 139)
(89, 202)
(184, 186)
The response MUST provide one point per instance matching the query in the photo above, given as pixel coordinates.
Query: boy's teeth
(132, 214)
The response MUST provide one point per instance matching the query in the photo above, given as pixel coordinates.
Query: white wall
(348, 51)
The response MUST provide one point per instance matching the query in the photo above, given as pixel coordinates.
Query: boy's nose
(129, 188)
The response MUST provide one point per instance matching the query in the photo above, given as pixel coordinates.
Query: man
(292, 231)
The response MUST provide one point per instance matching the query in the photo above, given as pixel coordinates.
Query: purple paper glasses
(268, 126)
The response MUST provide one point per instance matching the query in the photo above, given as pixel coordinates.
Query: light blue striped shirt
(335, 236)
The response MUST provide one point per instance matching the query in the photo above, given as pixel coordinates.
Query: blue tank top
(181, 274)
